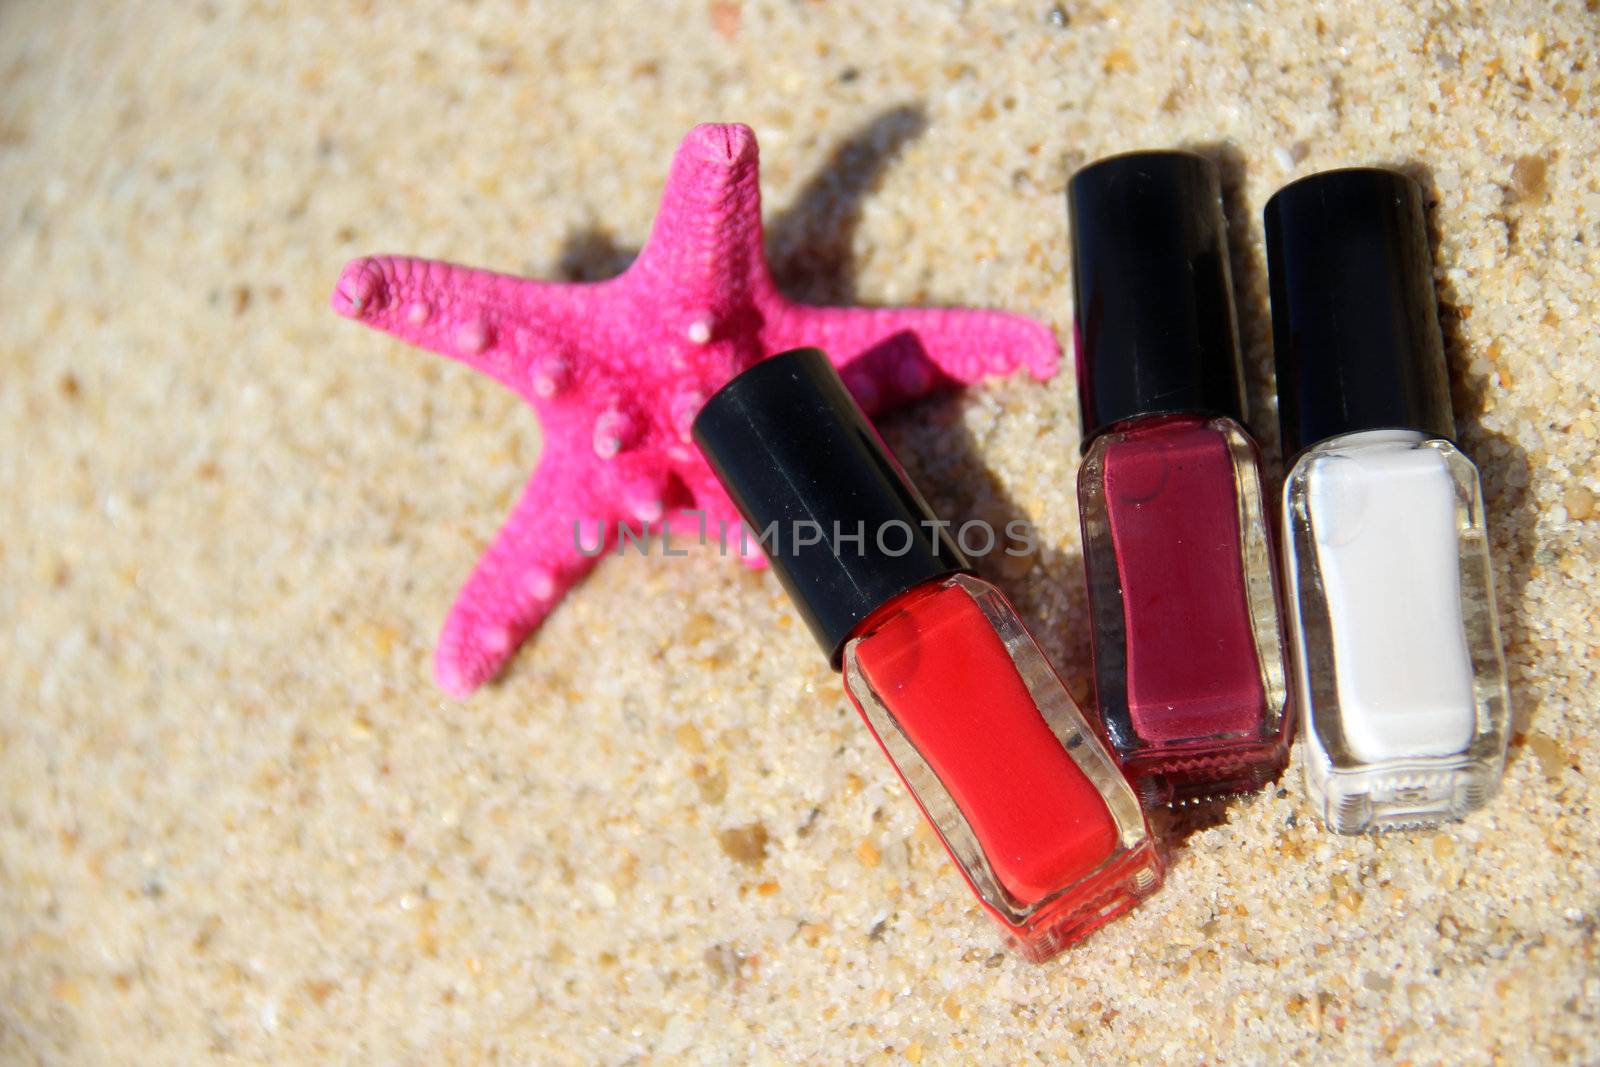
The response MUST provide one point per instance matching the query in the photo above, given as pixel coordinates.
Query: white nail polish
(1400, 677)
(1397, 650)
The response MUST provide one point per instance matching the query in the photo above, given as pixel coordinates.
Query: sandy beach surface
(240, 824)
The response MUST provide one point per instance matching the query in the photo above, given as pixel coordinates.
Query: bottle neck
(1367, 438)
(896, 604)
(1155, 420)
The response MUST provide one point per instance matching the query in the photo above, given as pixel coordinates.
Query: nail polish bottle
(1026, 800)
(1396, 647)
(1190, 676)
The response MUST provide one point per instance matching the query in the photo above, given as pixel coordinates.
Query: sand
(238, 823)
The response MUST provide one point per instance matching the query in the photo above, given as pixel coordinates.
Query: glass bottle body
(1396, 644)
(1028, 803)
(1190, 678)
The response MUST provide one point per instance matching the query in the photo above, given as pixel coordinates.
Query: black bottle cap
(796, 453)
(1355, 323)
(1154, 312)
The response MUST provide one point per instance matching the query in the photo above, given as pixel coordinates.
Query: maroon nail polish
(1188, 648)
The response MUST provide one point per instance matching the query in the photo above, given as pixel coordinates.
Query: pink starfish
(618, 369)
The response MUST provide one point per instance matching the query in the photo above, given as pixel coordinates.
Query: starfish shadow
(808, 248)
(808, 243)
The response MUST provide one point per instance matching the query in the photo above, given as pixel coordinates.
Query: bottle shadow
(1049, 591)
(1252, 304)
(1247, 268)
(1044, 581)
(1508, 503)
(1051, 595)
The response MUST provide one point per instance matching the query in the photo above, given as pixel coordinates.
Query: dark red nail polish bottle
(1029, 804)
(1188, 646)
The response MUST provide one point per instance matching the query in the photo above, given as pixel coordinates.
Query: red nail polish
(1029, 804)
(1188, 645)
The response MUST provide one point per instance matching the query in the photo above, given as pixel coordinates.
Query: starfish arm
(705, 250)
(553, 537)
(887, 355)
(502, 326)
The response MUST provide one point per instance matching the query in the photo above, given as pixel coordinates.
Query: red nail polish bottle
(1188, 645)
(1029, 804)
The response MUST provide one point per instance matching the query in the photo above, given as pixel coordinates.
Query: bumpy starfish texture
(617, 370)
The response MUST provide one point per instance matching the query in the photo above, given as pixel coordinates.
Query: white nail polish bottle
(1396, 646)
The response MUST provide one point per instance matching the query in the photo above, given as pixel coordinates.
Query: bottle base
(1196, 775)
(1401, 797)
(1060, 923)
